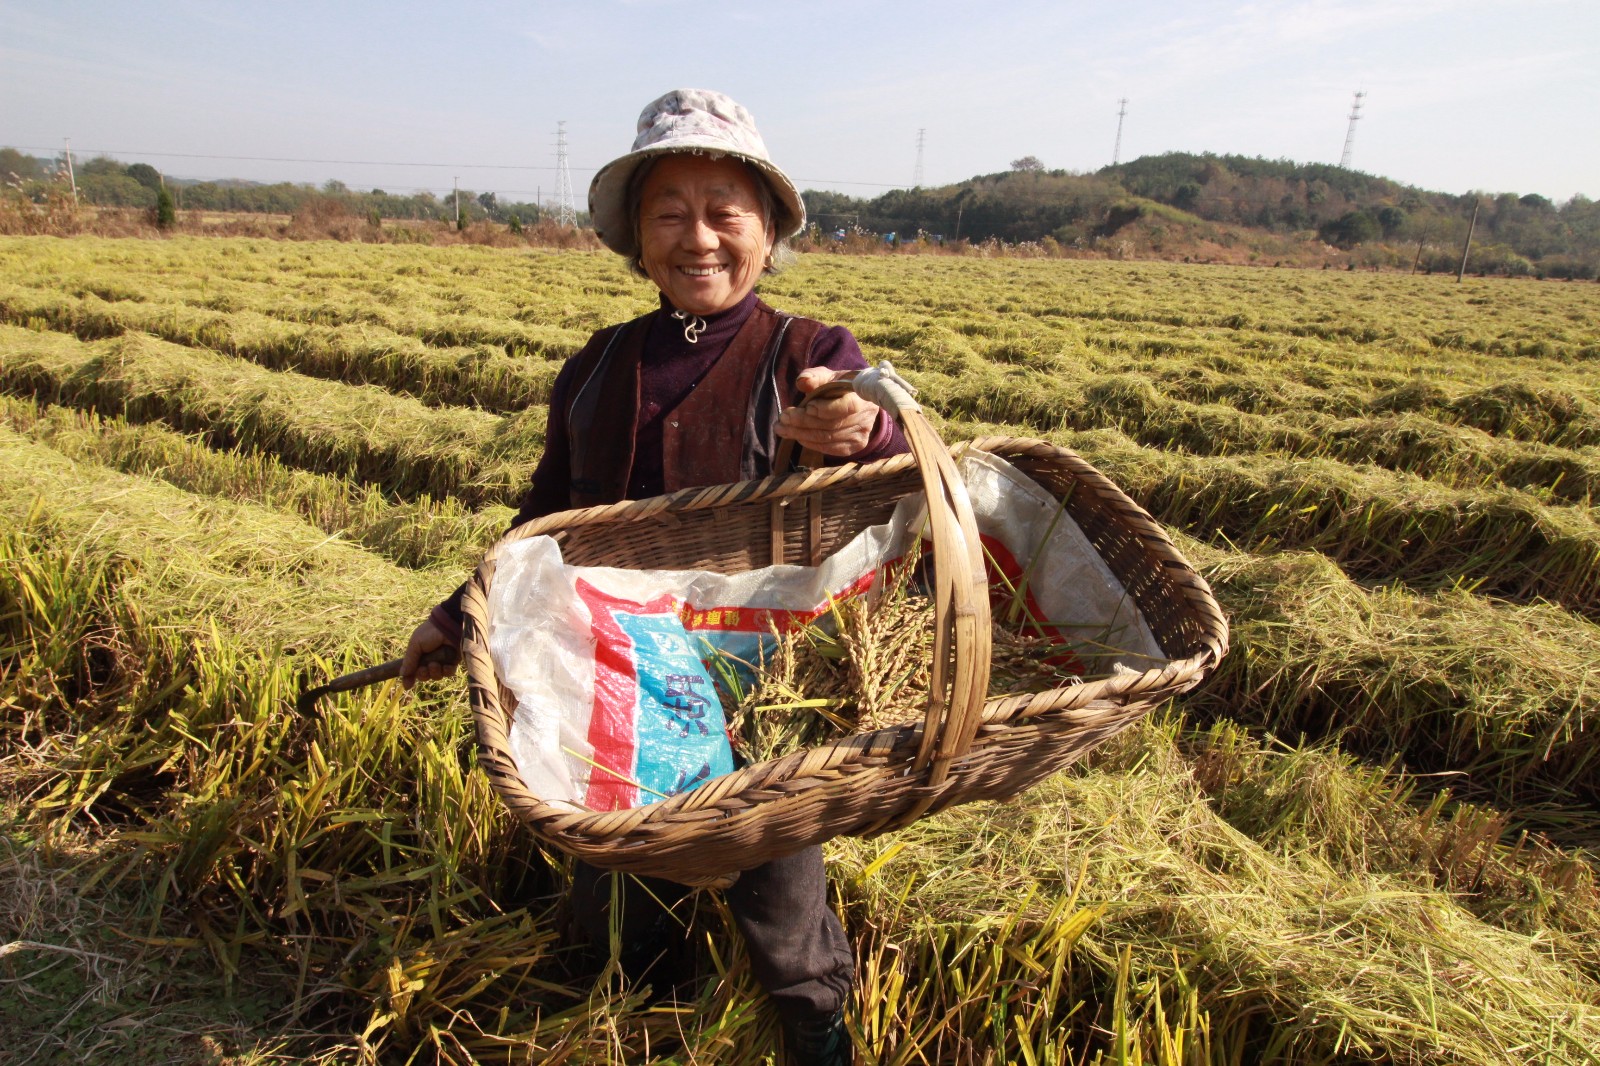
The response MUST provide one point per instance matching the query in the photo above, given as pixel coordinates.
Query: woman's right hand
(425, 638)
(840, 427)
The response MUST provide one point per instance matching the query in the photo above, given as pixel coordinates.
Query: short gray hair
(782, 255)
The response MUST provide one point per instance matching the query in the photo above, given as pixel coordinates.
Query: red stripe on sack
(765, 619)
(615, 712)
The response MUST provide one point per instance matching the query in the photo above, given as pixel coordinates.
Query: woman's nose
(699, 234)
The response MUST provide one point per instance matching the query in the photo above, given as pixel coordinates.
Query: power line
(287, 159)
(391, 190)
(381, 163)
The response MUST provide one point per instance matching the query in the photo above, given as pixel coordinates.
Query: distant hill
(1277, 208)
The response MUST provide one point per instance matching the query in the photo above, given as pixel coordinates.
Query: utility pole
(1122, 112)
(1350, 131)
(566, 213)
(916, 178)
(1466, 248)
(456, 182)
(73, 178)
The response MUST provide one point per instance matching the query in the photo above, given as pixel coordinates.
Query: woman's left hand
(840, 427)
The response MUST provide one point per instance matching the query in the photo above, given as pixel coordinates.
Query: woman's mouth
(701, 272)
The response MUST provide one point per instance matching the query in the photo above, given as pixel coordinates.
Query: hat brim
(608, 193)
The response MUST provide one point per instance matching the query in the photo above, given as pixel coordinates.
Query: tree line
(1347, 209)
(105, 182)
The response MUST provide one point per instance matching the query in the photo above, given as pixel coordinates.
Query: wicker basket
(967, 748)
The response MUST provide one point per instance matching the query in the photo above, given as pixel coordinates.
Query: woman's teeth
(701, 272)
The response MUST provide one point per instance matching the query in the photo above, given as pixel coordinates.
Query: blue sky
(1461, 94)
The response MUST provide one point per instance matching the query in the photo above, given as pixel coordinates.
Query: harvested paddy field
(231, 464)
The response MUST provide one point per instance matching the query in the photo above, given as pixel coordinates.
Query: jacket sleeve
(837, 349)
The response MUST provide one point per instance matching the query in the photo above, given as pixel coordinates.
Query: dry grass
(320, 218)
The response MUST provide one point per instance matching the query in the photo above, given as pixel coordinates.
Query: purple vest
(704, 439)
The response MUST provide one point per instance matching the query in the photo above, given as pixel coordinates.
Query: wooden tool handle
(446, 655)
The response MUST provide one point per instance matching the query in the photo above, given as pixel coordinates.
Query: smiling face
(703, 237)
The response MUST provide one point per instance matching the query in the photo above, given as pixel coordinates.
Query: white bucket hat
(696, 121)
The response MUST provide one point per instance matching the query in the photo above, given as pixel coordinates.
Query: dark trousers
(796, 945)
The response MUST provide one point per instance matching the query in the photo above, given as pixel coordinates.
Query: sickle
(306, 702)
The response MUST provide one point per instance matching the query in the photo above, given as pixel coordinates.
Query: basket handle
(962, 638)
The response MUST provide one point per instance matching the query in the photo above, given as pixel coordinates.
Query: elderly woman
(696, 393)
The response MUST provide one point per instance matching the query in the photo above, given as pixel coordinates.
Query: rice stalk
(361, 433)
(250, 571)
(865, 664)
(1194, 895)
(1377, 525)
(412, 533)
(355, 353)
(1500, 694)
(1271, 953)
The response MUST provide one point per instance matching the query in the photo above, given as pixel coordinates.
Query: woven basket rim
(843, 758)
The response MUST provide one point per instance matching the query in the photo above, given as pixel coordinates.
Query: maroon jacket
(699, 418)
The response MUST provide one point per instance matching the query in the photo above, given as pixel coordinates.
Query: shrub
(166, 214)
(1570, 267)
(55, 213)
(1350, 229)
